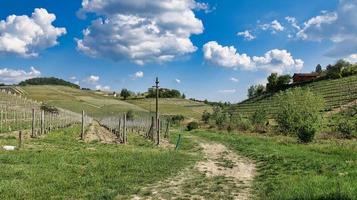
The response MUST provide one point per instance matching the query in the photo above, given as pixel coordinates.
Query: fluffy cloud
(10, 76)
(278, 61)
(26, 36)
(225, 56)
(92, 79)
(352, 58)
(247, 35)
(293, 22)
(102, 88)
(140, 30)
(234, 79)
(178, 81)
(274, 26)
(229, 91)
(138, 75)
(275, 60)
(339, 27)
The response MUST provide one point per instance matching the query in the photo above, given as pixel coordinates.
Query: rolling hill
(335, 92)
(98, 104)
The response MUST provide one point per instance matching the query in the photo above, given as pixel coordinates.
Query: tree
(282, 81)
(272, 82)
(299, 113)
(251, 91)
(335, 71)
(318, 69)
(125, 93)
(255, 90)
(183, 96)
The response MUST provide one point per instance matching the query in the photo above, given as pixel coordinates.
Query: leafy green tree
(125, 93)
(183, 96)
(272, 82)
(282, 81)
(318, 69)
(299, 113)
(255, 90)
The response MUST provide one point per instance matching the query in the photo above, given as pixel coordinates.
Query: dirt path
(222, 174)
(98, 133)
(341, 108)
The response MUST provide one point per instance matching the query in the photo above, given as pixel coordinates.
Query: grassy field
(325, 169)
(335, 92)
(58, 166)
(184, 107)
(95, 104)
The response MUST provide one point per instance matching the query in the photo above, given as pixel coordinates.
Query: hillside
(335, 92)
(94, 103)
(172, 106)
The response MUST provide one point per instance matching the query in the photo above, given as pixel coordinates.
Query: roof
(306, 74)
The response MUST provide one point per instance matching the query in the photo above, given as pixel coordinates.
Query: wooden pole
(82, 129)
(20, 139)
(33, 123)
(42, 121)
(125, 139)
(157, 112)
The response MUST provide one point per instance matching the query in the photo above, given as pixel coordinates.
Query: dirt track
(98, 133)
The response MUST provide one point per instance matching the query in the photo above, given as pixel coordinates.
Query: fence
(144, 125)
(20, 114)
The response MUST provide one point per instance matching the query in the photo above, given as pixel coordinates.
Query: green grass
(58, 166)
(335, 92)
(94, 103)
(325, 169)
(171, 106)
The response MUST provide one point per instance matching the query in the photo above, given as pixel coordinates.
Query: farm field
(95, 104)
(335, 92)
(183, 107)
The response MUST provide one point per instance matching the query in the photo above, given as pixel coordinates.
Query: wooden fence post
(33, 123)
(20, 139)
(158, 132)
(119, 126)
(42, 121)
(82, 129)
(167, 129)
(124, 130)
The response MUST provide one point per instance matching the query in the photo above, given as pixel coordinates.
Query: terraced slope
(188, 108)
(95, 104)
(335, 92)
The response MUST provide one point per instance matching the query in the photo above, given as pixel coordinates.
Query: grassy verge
(325, 169)
(58, 166)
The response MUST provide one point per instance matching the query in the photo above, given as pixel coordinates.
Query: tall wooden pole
(124, 130)
(33, 123)
(82, 129)
(157, 111)
(42, 122)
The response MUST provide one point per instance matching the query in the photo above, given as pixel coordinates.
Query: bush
(192, 125)
(176, 119)
(130, 115)
(241, 123)
(260, 119)
(206, 116)
(346, 127)
(49, 109)
(299, 112)
(306, 133)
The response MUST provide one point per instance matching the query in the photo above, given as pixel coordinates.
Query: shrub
(346, 127)
(130, 115)
(306, 133)
(260, 119)
(206, 116)
(49, 109)
(192, 125)
(299, 112)
(176, 119)
(241, 123)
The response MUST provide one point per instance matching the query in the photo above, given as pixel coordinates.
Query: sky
(207, 49)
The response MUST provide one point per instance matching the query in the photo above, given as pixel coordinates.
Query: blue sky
(208, 49)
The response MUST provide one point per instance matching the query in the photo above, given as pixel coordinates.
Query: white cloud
(26, 36)
(247, 35)
(352, 58)
(178, 81)
(225, 56)
(138, 75)
(276, 60)
(11, 76)
(102, 88)
(274, 26)
(293, 22)
(92, 79)
(76, 82)
(228, 91)
(339, 27)
(234, 79)
(141, 31)
(72, 78)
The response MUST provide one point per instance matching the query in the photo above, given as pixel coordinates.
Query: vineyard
(21, 114)
(335, 92)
